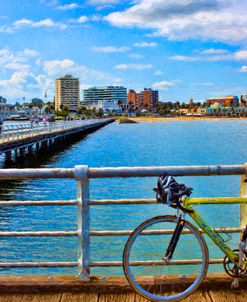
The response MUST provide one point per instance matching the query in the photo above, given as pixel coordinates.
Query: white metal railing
(82, 174)
(26, 130)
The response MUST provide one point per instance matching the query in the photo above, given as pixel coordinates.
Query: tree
(119, 102)
(37, 102)
(100, 112)
(82, 110)
(64, 110)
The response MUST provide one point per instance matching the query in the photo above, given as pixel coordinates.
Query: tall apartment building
(132, 99)
(67, 92)
(108, 93)
(146, 99)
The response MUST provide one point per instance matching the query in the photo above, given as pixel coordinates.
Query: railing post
(243, 193)
(81, 175)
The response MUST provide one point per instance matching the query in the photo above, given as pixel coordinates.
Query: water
(141, 144)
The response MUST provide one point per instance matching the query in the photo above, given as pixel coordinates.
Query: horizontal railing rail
(82, 174)
(209, 170)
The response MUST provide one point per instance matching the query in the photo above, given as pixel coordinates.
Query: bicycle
(175, 270)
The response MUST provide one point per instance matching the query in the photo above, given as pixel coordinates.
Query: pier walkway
(61, 289)
(20, 137)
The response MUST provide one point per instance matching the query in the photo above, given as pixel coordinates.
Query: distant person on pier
(32, 121)
(1, 124)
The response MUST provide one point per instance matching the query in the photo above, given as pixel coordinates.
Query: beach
(184, 118)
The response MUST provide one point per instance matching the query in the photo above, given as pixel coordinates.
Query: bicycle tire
(163, 287)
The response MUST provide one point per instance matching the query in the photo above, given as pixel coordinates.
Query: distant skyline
(183, 48)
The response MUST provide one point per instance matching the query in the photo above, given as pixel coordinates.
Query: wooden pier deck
(216, 288)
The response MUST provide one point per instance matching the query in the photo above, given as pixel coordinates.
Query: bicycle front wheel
(150, 275)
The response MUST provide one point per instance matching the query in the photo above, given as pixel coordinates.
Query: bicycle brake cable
(224, 240)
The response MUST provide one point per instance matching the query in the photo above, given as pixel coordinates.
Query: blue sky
(183, 48)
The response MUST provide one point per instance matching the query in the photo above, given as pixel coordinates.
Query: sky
(183, 48)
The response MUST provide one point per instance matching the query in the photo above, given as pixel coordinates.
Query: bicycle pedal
(235, 283)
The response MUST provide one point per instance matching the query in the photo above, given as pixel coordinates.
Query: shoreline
(183, 118)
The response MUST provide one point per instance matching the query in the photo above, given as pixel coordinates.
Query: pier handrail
(113, 172)
(20, 131)
(82, 174)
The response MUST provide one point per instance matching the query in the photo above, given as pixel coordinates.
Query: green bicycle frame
(188, 202)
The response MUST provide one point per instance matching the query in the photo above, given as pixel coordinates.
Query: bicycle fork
(174, 240)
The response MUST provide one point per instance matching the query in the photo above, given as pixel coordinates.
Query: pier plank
(221, 295)
(31, 297)
(110, 289)
(80, 297)
(200, 296)
(116, 297)
(227, 295)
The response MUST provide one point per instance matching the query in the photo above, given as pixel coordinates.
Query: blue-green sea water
(141, 144)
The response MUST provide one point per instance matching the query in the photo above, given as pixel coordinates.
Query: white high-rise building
(116, 94)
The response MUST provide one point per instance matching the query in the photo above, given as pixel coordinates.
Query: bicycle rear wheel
(149, 275)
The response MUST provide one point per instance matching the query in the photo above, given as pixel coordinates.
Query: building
(94, 95)
(132, 100)
(5, 109)
(228, 101)
(108, 106)
(67, 93)
(243, 100)
(3, 106)
(146, 99)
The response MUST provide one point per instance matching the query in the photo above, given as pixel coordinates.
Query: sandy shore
(185, 118)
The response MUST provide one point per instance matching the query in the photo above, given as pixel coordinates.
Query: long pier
(22, 138)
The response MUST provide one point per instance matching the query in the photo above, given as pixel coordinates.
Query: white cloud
(16, 60)
(45, 23)
(110, 49)
(213, 55)
(136, 56)
(134, 66)
(55, 68)
(16, 66)
(203, 84)
(217, 20)
(243, 68)
(158, 72)
(29, 52)
(163, 85)
(183, 58)
(16, 85)
(145, 44)
(27, 23)
(241, 55)
(101, 4)
(68, 6)
(214, 51)
(82, 19)
(96, 18)
(19, 79)
(22, 23)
